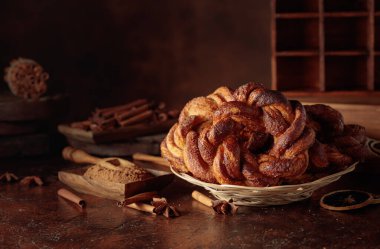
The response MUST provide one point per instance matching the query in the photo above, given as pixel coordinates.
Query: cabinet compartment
(345, 5)
(297, 34)
(346, 33)
(298, 73)
(292, 6)
(377, 73)
(377, 5)
(326, 45)
(346, 73)
(377, 33)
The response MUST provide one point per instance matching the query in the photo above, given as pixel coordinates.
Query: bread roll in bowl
(253, 136)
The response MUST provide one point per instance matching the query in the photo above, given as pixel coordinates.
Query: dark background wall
(105, 52)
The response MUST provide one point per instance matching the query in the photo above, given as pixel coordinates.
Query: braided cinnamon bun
(256, 137)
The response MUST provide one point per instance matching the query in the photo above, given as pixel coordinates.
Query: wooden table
(36, 218)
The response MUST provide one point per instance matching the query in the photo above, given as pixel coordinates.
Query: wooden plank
(111, 190)
(299, 15)
(321, 38)
(371, 46)
(297, 53)
(347, 53)
(346, 14)
(273, 45)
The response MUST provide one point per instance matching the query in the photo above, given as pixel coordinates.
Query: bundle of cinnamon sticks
(132, 113)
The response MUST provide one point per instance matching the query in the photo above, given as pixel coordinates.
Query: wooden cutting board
(120, 134)
(115, 191)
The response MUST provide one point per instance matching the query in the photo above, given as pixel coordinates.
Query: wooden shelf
(345, 5)
(284, 6)
(346, 14)
(346, 53)
(377, 73)
(332, 93)
(306, 53)
(377, 33)
(303, 15)
(353, 97)
(326, 46)
(297, 53)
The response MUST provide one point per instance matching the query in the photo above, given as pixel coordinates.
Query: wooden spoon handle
(78, 156)
(376, 199)
(150, 158)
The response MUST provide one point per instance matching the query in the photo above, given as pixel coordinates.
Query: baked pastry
(257, 137)
(26, 78)
(106, 171)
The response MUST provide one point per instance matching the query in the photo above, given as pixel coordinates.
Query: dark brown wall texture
(105, 52)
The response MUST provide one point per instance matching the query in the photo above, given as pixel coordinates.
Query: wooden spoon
(149, 158)
(343, 200)
(80, 156)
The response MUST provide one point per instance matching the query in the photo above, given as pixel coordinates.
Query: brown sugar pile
(124, 174)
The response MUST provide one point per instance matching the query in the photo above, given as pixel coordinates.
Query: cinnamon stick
(64, 193)
(219, 206)
(136, 119)
(202, 198)
(109, 111)
(150, 158)
(123, 115)
(142, 207)
(106, 121)
(159, 207)
(137, 198)
(81, 124)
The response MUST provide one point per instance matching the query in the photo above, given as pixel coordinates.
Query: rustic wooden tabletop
(35, 217)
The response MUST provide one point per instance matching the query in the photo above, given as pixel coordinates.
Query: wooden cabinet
(326, 47)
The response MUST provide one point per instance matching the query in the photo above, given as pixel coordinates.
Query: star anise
(161, 206)
(27, 180)
(9, 177)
